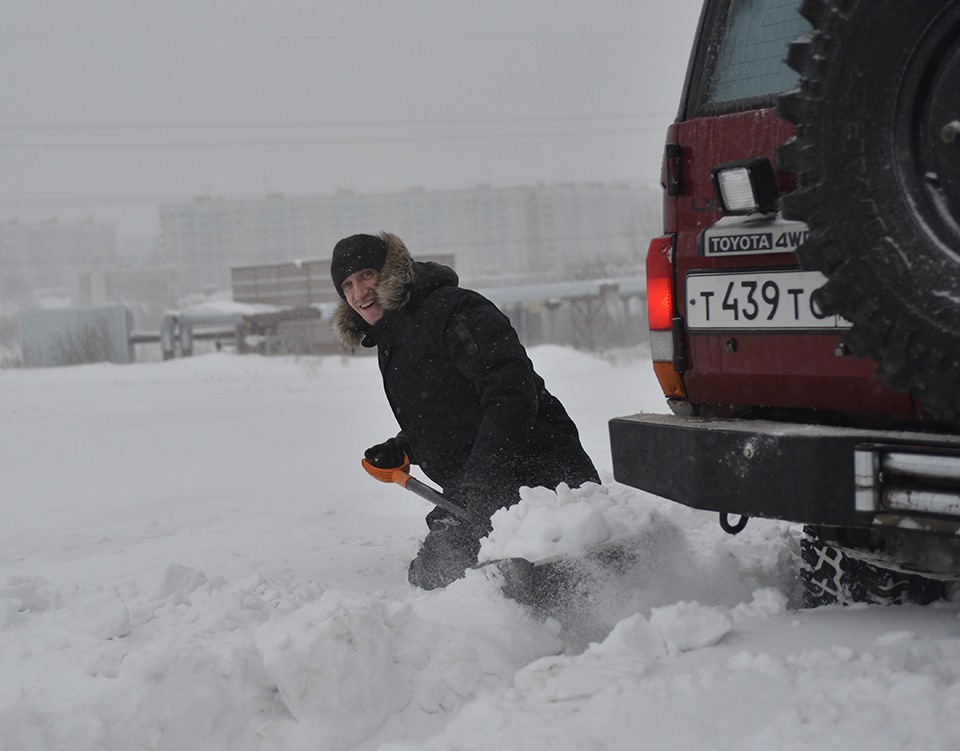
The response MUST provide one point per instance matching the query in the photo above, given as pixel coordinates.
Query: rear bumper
(802, 473)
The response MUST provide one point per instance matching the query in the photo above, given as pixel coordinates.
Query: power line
(321, 141)
(366, 38)
(333, 124)
(132, 201)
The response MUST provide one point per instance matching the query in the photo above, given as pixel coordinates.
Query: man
(473, 414)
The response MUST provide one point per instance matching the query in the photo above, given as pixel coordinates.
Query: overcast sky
(110, 107)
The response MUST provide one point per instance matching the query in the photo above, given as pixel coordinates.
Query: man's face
(360, 290)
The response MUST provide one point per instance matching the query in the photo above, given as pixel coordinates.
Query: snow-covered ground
(192, 558)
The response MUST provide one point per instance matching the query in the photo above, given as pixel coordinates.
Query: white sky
(111, 107)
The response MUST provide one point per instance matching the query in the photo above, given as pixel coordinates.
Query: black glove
(389, 454)
(474, 500)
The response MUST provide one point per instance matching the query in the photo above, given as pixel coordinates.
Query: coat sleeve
(487, 351)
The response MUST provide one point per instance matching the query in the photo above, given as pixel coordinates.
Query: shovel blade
(566, 582)
(547, 588)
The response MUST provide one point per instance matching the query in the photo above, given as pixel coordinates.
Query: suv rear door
(752, 339)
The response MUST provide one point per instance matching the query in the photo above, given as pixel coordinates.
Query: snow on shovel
(547, 586)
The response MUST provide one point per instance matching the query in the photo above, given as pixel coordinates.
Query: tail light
(660, 284)
(661, 314)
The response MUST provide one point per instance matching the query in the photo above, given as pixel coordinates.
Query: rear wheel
(876, 152)
(836, 570)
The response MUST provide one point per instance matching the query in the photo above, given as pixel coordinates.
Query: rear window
(748, 59)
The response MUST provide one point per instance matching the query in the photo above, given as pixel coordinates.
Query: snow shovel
(549, 586)
(401, 476)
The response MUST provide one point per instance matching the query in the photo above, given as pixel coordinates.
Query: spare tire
(876, 154)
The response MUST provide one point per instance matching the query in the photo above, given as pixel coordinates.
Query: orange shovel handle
(401, 476)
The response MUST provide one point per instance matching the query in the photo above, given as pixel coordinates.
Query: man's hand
(387, 455)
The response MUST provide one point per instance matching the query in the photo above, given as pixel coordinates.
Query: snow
(549, 523)
(192, 558)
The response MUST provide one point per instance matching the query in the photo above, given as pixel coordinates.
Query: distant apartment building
(497, 236)
(52, 255)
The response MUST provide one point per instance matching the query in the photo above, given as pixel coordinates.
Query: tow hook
(733, 529)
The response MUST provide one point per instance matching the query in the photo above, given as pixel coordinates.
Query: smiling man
(360, 292)
(473, 413)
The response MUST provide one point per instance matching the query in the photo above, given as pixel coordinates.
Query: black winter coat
(476, 416)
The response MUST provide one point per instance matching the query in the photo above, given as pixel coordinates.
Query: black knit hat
(353, 254)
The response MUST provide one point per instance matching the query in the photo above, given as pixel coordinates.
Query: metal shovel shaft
(401, 477)
(435, 497)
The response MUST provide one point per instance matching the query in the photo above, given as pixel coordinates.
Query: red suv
(804, 298)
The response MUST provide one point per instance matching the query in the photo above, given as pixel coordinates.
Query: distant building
(127, 281)
(52, 255)
(297, 285)
(497, 235)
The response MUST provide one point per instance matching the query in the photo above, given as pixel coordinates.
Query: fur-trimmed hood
(398, 280)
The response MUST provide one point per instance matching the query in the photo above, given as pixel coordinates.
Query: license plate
(757, 301)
